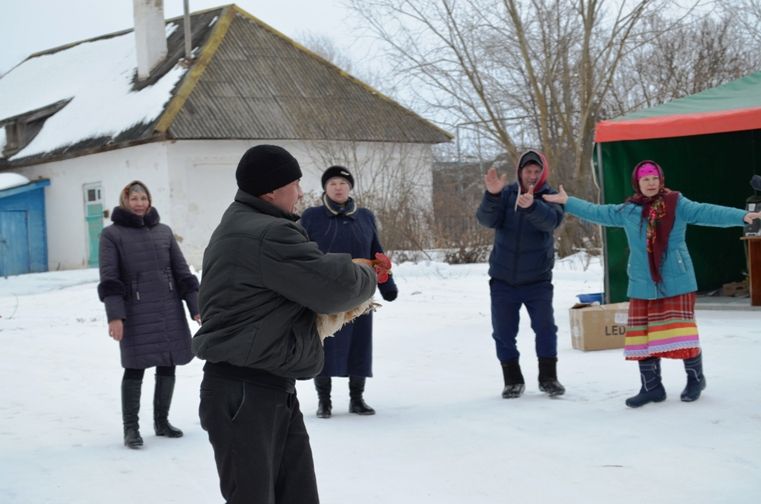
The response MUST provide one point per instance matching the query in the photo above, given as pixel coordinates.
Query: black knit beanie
(337, 171)
(264, 168)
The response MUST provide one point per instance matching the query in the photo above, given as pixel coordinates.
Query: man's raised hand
(493, 182)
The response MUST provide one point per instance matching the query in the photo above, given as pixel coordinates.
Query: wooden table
(754, 268)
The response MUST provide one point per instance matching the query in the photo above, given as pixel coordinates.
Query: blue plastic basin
(595, 297)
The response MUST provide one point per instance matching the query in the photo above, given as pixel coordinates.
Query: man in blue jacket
(520, 267)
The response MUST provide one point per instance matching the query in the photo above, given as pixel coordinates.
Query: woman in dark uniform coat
(339, 225)
(143, 280)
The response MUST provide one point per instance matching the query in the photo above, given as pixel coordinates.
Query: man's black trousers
(260, 443)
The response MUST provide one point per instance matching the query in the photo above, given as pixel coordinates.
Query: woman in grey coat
(143, 280)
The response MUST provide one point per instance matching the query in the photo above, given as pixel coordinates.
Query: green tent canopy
(709, 145)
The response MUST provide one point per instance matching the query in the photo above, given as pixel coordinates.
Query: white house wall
(64, 198)
(202, 181)
(202, 178)
(193, 182)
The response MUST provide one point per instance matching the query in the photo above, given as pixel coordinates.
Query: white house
(93, 115)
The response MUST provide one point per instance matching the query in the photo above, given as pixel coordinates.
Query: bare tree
(326, 48)
(458, 189)
(746, 16)
(531, 72)
(391, 179)
(542, 72)
(697, 54)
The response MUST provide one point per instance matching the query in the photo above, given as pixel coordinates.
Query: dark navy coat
(143, 279)
(350, 230)
(524, 251)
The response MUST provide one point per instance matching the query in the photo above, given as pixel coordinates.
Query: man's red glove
(382, 266)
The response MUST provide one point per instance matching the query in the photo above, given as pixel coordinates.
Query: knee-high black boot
(356, 403)
(652, 388)
(696, 382)
(514, 382)
(130, 409)
(548, 377)
(323, 385)
(162, 399)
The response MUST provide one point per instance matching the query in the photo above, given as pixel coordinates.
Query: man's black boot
(548, 377)
(514, 382)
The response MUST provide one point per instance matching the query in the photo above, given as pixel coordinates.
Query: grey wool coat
(143, 280)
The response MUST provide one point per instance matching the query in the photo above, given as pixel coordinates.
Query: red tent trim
(678, 125)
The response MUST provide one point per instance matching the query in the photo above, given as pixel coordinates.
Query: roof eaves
(85, 148)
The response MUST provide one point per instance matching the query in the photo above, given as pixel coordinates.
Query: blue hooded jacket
(524, 251)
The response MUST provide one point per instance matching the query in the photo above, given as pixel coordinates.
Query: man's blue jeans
(506, 301)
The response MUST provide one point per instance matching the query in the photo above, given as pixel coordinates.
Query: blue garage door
(14, 243)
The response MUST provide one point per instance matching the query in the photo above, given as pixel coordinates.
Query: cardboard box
(598, 327)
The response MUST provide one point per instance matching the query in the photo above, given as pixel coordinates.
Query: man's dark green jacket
(263, 282)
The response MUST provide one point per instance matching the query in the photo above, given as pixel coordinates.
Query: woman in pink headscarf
(662, 280)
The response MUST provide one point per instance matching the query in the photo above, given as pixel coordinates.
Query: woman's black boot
(356, 403)
(514, 382)
(652, 388)
(696, 382)
(162, 399)
(130, 409)
(324, 407)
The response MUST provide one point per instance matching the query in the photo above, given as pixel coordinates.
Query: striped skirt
(662, 328)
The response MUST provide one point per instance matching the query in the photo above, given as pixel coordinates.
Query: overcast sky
(27, 26)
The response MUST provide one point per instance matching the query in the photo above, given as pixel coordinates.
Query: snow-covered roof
(91, 89)
(245, 81)
(8, 180)
(97, 77)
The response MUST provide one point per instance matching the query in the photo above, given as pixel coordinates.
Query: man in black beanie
(264, 168)
(263, 284)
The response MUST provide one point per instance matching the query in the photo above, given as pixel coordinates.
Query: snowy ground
(442, 433)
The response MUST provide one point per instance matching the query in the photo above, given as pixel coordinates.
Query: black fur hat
(264, 168)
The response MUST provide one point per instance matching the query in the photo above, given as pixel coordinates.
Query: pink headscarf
(645, 169)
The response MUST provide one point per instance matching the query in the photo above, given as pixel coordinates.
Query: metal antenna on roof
(188, 45)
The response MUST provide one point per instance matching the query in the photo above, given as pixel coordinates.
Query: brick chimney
(150, 35)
